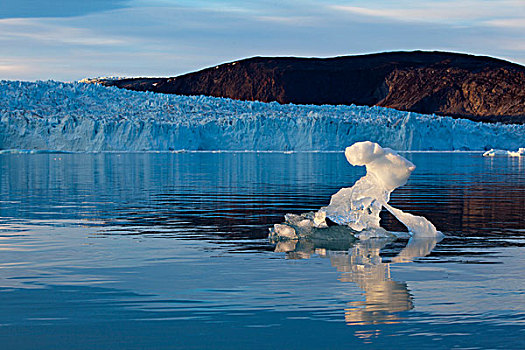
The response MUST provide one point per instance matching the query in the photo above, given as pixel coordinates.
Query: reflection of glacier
(384, 298)
(87, 117)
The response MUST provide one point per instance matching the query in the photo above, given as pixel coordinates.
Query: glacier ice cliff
(48, 115)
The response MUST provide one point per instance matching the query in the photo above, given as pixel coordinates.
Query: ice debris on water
(355, 210)
(310, 225)
(500, 152)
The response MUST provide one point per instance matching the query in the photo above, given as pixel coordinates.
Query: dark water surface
(159, 251)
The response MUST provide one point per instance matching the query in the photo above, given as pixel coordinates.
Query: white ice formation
(89, 118)
(358, 207)
(500, 152)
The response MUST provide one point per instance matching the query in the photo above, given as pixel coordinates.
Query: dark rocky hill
(459, 85)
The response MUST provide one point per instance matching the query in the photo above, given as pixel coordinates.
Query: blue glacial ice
(48, 115)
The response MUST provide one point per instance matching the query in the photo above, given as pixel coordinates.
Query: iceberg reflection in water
(359, 262)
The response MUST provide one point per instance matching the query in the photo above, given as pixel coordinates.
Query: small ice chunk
(320, 219)
(500, 152)
(520, 152)
(285, 231)
(495, 152)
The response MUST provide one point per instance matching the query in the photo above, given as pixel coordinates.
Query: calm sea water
(159, 251)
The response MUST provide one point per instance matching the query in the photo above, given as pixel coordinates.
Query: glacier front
(49, 115)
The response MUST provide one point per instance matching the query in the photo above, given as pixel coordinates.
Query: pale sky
(73, 39)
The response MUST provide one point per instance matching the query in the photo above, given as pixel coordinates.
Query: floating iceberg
(500, 152)
(80, 117)
(355, 210)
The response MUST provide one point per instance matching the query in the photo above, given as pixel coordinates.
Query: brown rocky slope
(459, 85)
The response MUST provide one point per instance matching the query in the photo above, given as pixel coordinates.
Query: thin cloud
(12, 68)
(512, 23)
(56, 8)
(303, 20)
(40, 31)
(458, 12)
